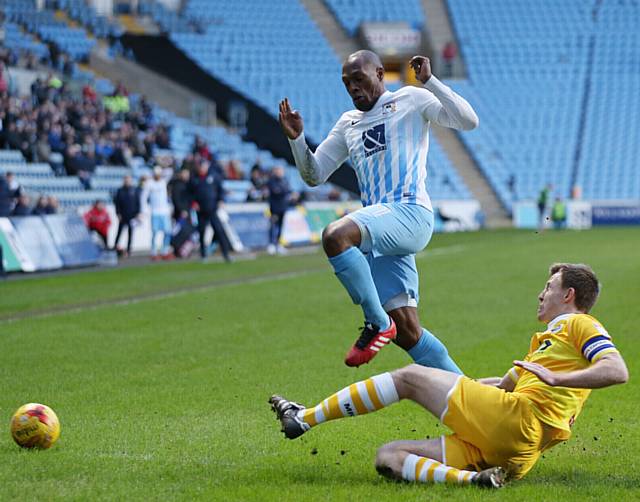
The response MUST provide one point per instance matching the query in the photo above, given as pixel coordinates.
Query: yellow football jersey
(571, 342)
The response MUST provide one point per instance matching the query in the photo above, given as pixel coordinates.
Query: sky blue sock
(354, 273)
(431, 352)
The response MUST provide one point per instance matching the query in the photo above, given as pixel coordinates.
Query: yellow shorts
(492, 428)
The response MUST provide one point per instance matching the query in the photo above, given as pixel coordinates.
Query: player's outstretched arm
(316, 168)
(449, 109)
(610, 369)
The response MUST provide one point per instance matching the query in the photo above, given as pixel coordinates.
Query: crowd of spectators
(76, 132)
(14, 201)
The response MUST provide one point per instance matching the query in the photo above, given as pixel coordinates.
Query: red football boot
(369, 344)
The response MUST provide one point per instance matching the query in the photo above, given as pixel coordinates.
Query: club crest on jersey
(388, 108)
(374, 140)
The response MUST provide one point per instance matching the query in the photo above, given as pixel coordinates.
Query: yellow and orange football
(35, 426)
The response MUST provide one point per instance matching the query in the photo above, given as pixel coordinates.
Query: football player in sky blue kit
(372, 250)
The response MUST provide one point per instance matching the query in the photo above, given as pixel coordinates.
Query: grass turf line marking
(172, 293)
(77, 308)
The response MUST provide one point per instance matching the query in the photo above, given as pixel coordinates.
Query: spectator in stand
(155, 195)
(42, 204)
(56, 142)
(39, 92)
(97, 220)
(6, 197)
(81, 163)
(68, 67)
(22, 208)
(190, 163)
(233, 170)
(162, 137)
(43, 149)
(53, 206)
(180, 194)
(4, 82)
(201, 148)
(258, 191)
(15, 188)
(279, 198)
(449, 54)
(89, 94)
(207, 194)
(127, 204)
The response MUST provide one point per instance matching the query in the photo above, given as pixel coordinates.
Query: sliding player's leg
(428, 387)
(423, 461)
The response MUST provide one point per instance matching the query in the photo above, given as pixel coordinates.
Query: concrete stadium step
(440, 32)
(131, 25)
(495, 214)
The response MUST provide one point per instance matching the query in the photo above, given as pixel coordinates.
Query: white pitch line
(158, 296)
(446, 250)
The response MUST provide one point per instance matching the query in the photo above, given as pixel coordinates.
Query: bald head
(363, 77)
(364, 58)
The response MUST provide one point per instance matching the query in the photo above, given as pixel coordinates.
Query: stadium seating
(352, 13)
(86, 15)
(168, 21)
(555, 85)
(74, 41)
(38, 179)
(19, 42)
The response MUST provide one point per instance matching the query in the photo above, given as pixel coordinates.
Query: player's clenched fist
(422, 66)
(290, 120)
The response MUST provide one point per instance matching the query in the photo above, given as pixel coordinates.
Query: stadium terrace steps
(440, 30)
(333, 31)
(131, 25)
(494, 212)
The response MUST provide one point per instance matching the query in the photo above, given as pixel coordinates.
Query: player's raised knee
(409, 379)
(339, 236)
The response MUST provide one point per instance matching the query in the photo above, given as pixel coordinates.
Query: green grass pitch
(162, 390)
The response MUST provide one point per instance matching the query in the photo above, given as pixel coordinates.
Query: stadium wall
(161, 55)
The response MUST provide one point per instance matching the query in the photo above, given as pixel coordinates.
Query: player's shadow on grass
(583, 479)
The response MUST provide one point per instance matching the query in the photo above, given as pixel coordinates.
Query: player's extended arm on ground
(450, 109)
(316, 168)
(610, 369)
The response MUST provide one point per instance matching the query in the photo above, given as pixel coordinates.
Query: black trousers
(102, 236)
(121, 225)
(205, 219)
(277, 219)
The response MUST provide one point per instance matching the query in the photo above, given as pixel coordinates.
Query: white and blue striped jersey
(387, 145)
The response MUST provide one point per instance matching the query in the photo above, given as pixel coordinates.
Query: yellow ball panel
(35, 425)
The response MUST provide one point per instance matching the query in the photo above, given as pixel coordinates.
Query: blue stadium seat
(529, 65)
(352, 13)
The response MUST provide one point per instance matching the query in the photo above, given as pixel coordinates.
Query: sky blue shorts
(392, 233)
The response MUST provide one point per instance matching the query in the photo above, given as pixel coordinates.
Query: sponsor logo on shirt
(388, 108)
(374, 140)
